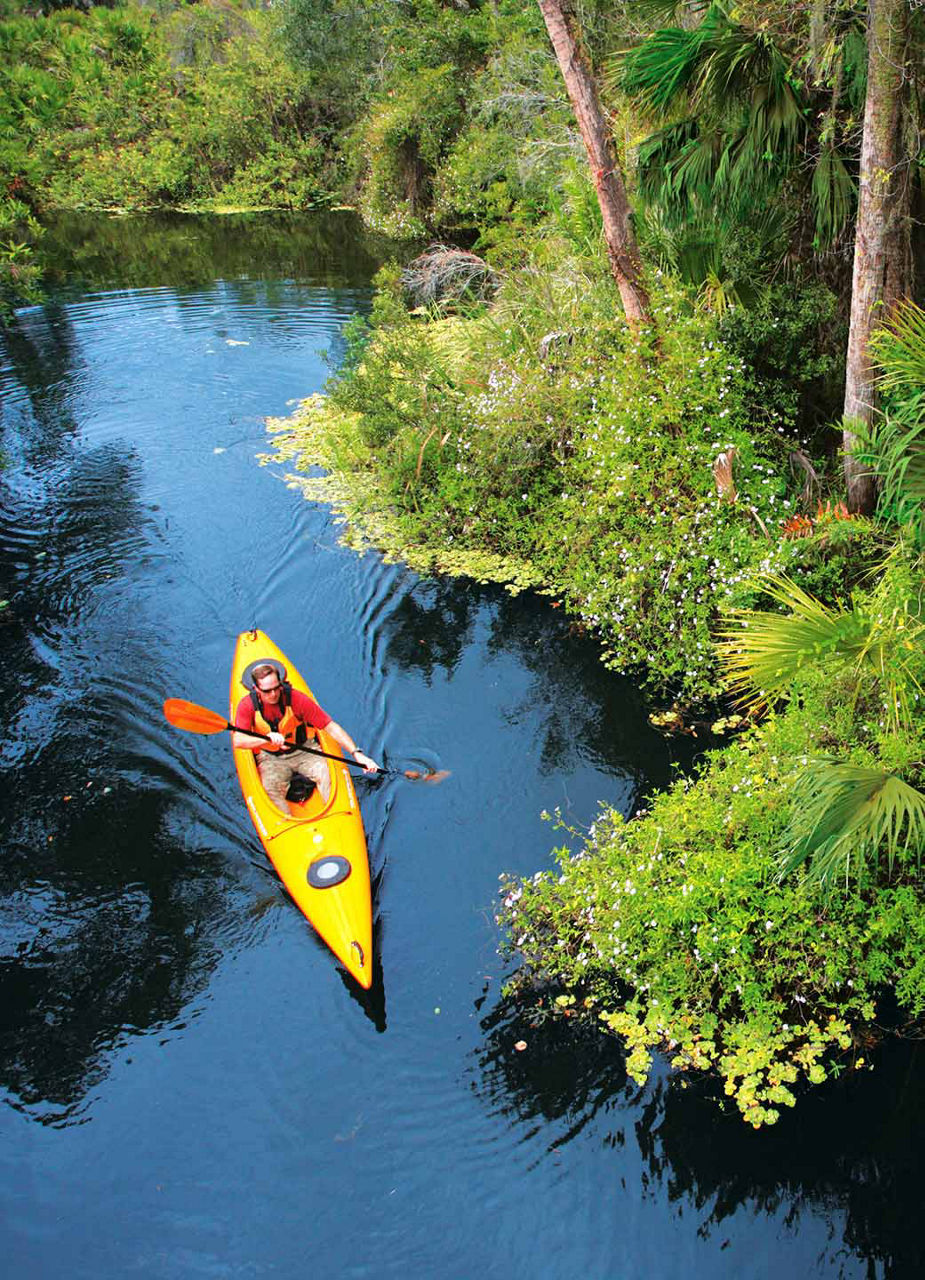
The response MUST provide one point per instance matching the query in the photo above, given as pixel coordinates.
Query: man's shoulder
(304, 704)
(245, 708)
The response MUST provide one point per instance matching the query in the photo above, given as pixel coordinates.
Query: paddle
(196, 719)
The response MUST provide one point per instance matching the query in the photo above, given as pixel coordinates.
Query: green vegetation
(674, 488)
(191, 106)
(532, 430)
(407, 111)
(120, 108)
(751, 920)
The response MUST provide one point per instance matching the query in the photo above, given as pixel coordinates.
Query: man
(287, 716)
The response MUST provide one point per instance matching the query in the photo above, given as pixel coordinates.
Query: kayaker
(288, 716)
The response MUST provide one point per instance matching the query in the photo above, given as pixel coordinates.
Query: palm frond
(834, 193)
(678, 164)
(658, 238)
(747, 119)
(663, 11)
(899, 350)
(854, 56)
(762, 652)
(846, 817)
(746, 67)
(895, 447)
(895, 452)
(720, 292)
(890, 654)
(662, 68)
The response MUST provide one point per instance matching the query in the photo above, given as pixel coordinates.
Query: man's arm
(343, 739)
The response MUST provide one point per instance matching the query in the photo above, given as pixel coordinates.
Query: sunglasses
(271, 689)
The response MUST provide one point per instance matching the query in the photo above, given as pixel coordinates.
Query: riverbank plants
(131, 108)
(533, 428)
(764, 920)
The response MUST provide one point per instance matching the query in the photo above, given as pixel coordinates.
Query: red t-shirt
(305, 708)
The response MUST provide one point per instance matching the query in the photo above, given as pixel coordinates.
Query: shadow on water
(96, 947)
(586, 712)
(853, 1148)
(40, 344)
(371, 1001)
(430, 627)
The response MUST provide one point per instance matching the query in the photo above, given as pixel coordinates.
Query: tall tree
(882, 255)
(622, 249)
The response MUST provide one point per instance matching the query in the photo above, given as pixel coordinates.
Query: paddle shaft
(195, 719)
(294, 746)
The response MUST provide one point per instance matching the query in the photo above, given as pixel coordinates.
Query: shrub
(135, 176)
(507, 159)
(287, 175)
(404, 140)
(532, 429)
(122, 108)
(793, 347)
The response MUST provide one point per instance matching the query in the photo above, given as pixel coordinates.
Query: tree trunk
(882, 254)
(608, 180)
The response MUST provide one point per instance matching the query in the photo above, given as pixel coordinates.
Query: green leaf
(846, 816)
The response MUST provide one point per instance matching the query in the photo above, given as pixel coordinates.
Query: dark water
(192, 1086)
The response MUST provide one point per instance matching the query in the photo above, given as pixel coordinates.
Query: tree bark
(608, 180)
(882, 246)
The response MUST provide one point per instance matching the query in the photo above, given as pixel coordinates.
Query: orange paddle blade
(193, 718)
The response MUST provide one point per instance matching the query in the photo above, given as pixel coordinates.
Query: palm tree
(742, 121)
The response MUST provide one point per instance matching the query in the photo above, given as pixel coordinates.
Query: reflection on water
(178, 1051)
(850, 1152)
(572, 707)
(262, 255)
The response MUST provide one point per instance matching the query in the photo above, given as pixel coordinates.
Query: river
(191, 1085)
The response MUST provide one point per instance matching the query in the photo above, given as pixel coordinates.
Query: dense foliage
(532, 429)
(675, 931)
(132, 108)
(122, 108)
(753, 919)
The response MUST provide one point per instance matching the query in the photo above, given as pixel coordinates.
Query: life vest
(289, 725)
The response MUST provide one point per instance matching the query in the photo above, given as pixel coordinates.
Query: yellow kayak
(319, 850)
